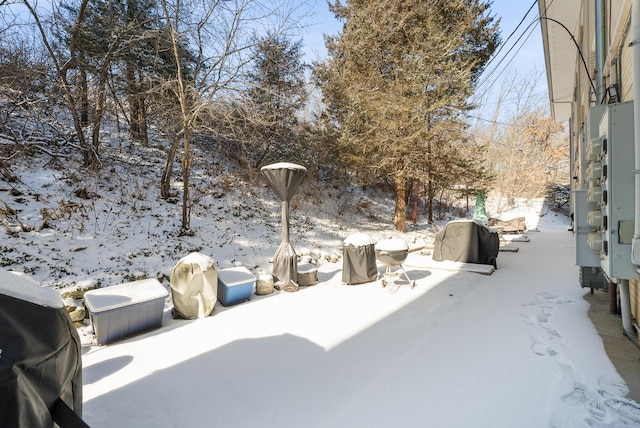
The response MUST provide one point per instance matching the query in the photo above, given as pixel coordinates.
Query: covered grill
(392, 252)
(40, 357)
(467, 241)
(359, 259)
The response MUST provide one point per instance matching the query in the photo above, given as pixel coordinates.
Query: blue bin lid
(236, 275)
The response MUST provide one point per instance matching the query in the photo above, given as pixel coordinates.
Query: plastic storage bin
(123, 310)
(235, 285)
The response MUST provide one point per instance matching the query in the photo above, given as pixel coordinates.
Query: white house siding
(626, 69)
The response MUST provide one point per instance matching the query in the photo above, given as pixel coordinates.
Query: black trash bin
(359, 259)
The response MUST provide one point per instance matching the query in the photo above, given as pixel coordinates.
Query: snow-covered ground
(514, 348)
(461, 349)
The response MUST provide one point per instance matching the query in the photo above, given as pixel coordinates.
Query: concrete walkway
(623, 352)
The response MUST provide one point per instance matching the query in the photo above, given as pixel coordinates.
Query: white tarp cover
(194, 286)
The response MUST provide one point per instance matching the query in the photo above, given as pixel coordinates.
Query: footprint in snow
(603, 406)
(543, 350)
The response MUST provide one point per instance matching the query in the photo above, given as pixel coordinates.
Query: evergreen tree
(396, 80)
(277, 92)
(121, 44)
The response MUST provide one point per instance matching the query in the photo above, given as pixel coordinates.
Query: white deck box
(125, 309)
(235, 285)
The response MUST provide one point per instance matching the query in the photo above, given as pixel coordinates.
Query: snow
(460, 349)
(204, 262)
(359, 240)
(20, 286)
(117, 296)
(284, 165)
(514, 348)
(392, 244)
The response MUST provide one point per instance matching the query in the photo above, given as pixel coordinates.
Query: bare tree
(222, 34)
(63, 68)
(525, 149)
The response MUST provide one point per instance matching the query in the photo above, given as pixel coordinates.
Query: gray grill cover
(40, 359)
(467, 241)
(359, 264)
(359, 259)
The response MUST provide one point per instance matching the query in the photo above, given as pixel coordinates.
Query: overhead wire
(503, 44)
(530, 28)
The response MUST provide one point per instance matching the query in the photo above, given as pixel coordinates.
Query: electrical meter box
(586, 196)
(585, 255)
(592, 134)
(612, 155)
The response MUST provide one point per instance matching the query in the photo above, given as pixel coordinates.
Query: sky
(522, 51)
(524, 54)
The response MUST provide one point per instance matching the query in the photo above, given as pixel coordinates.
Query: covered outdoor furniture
(307, 274)
(194, 286)
(40, 357)
(358, 259)
(516, 225)
(284, 179)
(467, 241)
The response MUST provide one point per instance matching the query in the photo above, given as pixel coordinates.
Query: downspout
(599, 51)
(625, 310)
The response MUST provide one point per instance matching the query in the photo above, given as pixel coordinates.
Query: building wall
(621, 73)
(625, 67)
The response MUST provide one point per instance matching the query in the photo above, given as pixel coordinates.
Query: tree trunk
(400, 218)
(186, 171)
(142, 121)
(134, 114)
(429, 183)
(467, 198)
(430, 201)
(84, 99)
(61, 71)
(99, 110)
(165, 182)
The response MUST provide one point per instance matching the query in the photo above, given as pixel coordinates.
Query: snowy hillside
(68, 227)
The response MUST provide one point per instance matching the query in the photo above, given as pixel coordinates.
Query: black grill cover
(40, 359)
(467, 241)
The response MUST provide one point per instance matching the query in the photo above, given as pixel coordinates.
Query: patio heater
(284, 179)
